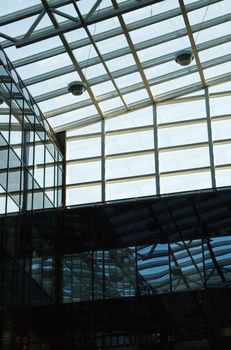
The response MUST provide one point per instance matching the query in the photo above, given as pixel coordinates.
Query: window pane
(83, 172)
(129, 142)
(83, 194)
(182, 135)
(184, 159)
(130, 166)
(130, 189)
(185, 182)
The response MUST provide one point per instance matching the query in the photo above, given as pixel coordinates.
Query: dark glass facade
(107, 276)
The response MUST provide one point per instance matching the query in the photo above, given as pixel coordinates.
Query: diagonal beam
(47, 33)
(35, 24)
(65, 15)
(72, 57)
(134, 53)
(193, 44)
(99, 55)
(93, 9)
(30, 11)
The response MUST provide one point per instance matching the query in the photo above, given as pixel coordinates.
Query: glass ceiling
(146, 125)
(124, 50)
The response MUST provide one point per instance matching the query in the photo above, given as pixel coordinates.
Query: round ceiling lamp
(76, 88)
(176, 271)
(184, 58)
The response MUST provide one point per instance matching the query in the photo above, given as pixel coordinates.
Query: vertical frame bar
(156, 149)
(210, 139)
(103, 170)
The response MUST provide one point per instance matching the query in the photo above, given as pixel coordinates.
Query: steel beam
(30, 11)
(210, 138)
(100, 56)
(132, 26)
(192, 41)
(72, 57)
(67, 26)
(93, 9)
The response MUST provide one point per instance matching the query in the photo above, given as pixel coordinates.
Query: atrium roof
(123, 50)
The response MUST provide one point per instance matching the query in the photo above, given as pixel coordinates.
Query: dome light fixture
(76, 88)
(184, 58)
(176, 271)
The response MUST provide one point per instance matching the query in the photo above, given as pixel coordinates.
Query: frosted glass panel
(83, 194)
(184, 159)
(84, 148)
(185, 182)
(221, 129)
(183, 135)
(130, 166)
(129, 142)
(223, 177)
(130, 189)
(137, 118)
(181, 111)
(222, 154)
(83, 172)
(220, 105)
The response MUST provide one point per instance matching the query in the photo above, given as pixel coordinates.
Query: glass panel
(49, 176)
(181, 111)
(83, 172)
(84, 148)
(12, 5)
(44, 66)
(89, 129)
(217, 70)
(108, 45)
(130, 189)
(83, 194)
(73, 116)
(214, 52)
(163, 27)
(130, 166)
(221, 129)
(184, 159)
(133, 119)
(222, 154)
(185, 182)
(223, 177)
(220, 105)
(177, 83)
(183, 135)
(136, 96)
(111, 104)
(129, 142)
(163, 48)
